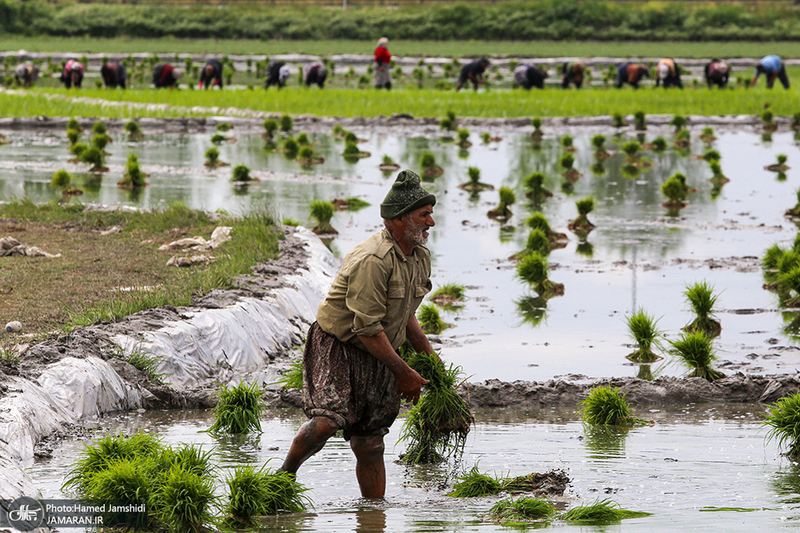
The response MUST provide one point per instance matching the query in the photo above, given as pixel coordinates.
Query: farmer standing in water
(353, 377)
(383, 62)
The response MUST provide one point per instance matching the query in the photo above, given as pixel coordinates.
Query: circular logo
(25, 514)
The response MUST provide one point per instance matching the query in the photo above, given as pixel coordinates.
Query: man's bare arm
(409, 382)
(419, 341)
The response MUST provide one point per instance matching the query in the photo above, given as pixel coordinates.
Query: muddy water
(637, 257)
(685, 467)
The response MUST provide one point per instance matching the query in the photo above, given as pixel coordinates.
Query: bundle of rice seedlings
(218, 139)
(707, 135)
(99, 127)
(286, 123)
(212, 158)
(522, 509)
(581, 225)
(695, 351)
(600, 512)
(473, 484)
(536, 122)
(238, 409)
(449, 122)
(270, 127)
(224, 127)
(675, 189)
(463, 136)
(679, 122)
(184, 500)
(639, 121)
(353, 203)
(618, 120)
(436, 428)
(189, 457)
(73, 136)
(567, 143)
(784, 419)
(768, 121)
(306, 154)
(795, 211)
(537, 242)
(93, 156)
(110, 449)
(769, 263)
(302, 139)
(134, 176)
(539, 221)
(449, 295)
(322, 212)
(701, 298)
(643, 329)
(683, 139)
(262, 492)
(338, 130)
(61, 178)
(606, 406)
(567, 162)
(502, 211)
(427, 162)
(718, 177)
(130, 479)
(534, 186)
(388, 164)
(430, 320)
(241, 173)
(788, 283)
(73, 124)
(474, 184)
(134, 131)
(659, 144)
(711, 155)
(599, 143)
(293, 377)
(532, 268)
(632, 149)
(780, 166)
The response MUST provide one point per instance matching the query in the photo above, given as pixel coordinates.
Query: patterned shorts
(347, 385)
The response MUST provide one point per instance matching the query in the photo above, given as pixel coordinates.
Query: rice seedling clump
(293, 377)
(606, 406)
(702, 299)
(784, 419)
(436, 428)
(521, 509)
(449, 295)
(261, 492)
(473, 484)
(600, 512)
(643, 329)
(322, 211)
(238, 409)
(695, 351)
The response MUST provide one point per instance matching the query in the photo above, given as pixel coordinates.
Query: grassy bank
(420, 103)
(416, 48)
(104, 277)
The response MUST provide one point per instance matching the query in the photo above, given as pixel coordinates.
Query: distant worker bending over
(527, 76)
(717, 73)
(631, 73)
(572, 73)
(315, 73)
(211, 74)
(383, 64)
(772, 67)
(165, 76)
(668, 74)
(277, 74)
(473, 72)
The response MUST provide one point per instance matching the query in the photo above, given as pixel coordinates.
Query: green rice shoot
(600, 512)
(607, 406)
(262, 492)
(784, 421)
(293, 377)
(473, 484)
(238, 409)
(694, 349)
(702, 300)
(521, 509)
(644, 330)
(430, 319)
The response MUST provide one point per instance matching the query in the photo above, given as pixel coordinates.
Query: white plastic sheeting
(223, 345)
(213, 344)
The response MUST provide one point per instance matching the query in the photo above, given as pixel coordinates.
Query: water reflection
(605, 442)
(532, 309)
(237, 449)
(370, 520)
(786, 484)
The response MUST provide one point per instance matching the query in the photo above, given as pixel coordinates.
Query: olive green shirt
(377, 289)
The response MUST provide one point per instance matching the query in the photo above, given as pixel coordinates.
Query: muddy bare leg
(310, 439)
(370, 470)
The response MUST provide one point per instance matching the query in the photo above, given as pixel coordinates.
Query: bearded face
(416, 232)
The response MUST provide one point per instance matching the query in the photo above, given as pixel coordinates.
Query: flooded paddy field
(639, 255)
(695, 468)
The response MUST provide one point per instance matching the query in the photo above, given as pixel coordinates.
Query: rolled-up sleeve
(367, 288)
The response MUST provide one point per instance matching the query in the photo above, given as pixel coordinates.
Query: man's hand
(409, 385)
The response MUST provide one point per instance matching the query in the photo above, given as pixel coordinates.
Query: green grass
(784, 420)
(171, 46)
(238, 409)
(293, 377)
(184, 501)
(644, 330)
(418, 102)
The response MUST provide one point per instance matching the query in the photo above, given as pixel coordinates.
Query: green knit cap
(405, 196)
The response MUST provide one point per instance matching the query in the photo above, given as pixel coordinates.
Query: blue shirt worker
(772, 67)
